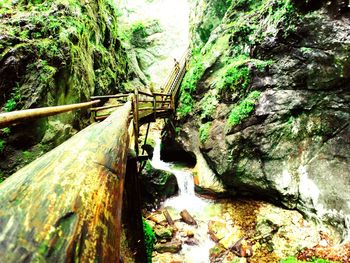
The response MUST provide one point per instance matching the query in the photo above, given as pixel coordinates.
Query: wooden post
(65, 206)
(132, 216)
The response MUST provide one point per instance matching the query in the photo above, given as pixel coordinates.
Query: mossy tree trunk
(64, 207)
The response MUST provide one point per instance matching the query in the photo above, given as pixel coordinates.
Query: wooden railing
(15, 117)
(147, 107)
(68, 204)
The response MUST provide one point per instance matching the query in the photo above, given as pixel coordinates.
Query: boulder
(292, 144)
(172, 247)
(163, 232)
(156, 186)
(187, 218)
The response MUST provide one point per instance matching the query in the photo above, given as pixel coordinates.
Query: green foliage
(244, 108)
(136, 34)
(236, 76)
(208, 106)
(27, 156)
(315, 260)
(150, 238)
(2, 145)
(204, 131)
(138, 29)
(10, 105)
(189, 85)
(6, 131)
(194, 74)
(186, 105)
(2, 177)
(148, 167)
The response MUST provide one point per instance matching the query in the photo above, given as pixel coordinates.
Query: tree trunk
(65, 206)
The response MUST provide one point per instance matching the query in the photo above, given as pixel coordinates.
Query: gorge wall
(55, 53)
(266, 101)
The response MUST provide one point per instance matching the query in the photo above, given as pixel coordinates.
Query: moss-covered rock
(156, 185)
(269, 104)
(56, 53)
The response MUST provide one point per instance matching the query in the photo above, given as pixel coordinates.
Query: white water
(197, 207)
(186, 199)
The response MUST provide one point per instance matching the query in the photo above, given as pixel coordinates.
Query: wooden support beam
(65, 206)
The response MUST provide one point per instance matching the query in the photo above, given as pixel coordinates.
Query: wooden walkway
(147, 107)
(68, 204)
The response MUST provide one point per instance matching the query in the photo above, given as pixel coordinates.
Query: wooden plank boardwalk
(67, 206)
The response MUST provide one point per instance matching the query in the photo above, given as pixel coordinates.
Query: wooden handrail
(116, 96)
(154, 101)
(145, 93)
(15, 117)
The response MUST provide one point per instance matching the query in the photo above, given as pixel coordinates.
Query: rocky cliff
(54, 53)
(266, 100)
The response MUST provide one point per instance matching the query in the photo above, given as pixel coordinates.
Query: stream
(241, 228)
(199, 208)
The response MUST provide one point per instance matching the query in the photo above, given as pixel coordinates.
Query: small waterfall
(186, 198)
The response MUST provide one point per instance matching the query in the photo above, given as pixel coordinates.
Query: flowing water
(202, 210)
(230, 220)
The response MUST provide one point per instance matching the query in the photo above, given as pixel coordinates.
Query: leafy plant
(6, 131)
(149, 239)
(10, 105)
(208, 105)
(235, 75)
(243, 109)
(204, 131)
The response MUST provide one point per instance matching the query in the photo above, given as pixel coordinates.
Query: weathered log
(168, 217)
(65, 206)
(187, 218)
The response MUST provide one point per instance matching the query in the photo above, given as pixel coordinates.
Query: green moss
(315, 260)
(10, 105)
(186, 104)
(236, 76)
(6, 131)
(27, 156)
(148, 167)
(204, 131)
(2, 177)
(2, 145)
(189, 85)
(244, 108)
(149, 239)
(208, 106)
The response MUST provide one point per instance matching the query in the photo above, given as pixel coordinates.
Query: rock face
(266, 100)
(55, 53)
(156, 186)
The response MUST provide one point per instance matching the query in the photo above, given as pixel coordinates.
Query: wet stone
(164, 232)
(172, 247)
